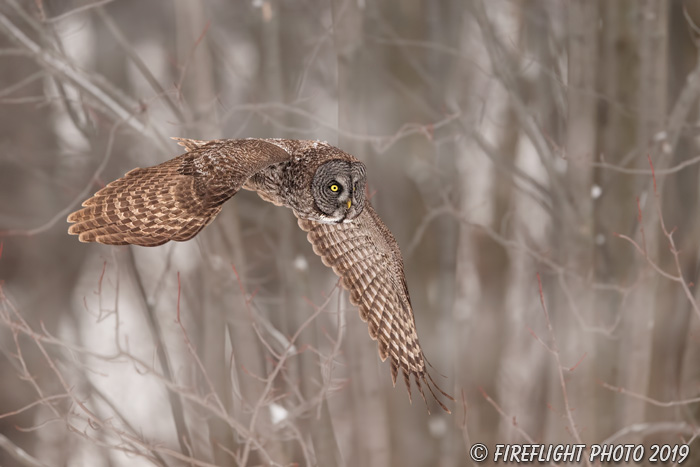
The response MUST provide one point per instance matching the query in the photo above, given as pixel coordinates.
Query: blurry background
(503, 139)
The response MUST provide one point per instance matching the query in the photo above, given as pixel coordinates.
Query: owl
(324, 187)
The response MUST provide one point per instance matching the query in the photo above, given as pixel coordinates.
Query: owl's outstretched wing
(173, 200)
(367, 258)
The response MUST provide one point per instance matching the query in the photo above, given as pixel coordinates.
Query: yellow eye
(335, 188)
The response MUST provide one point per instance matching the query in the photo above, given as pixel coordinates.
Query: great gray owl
(324, 186)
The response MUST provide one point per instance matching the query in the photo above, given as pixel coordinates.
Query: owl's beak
(349, 203)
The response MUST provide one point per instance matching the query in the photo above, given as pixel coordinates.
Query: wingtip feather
(86, 237)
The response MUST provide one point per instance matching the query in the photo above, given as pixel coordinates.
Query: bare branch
(121, 110)
(18, 453)
(642, 430)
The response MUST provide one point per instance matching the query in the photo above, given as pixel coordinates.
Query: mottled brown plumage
(173, 200)
(365, 254)
(323, 185)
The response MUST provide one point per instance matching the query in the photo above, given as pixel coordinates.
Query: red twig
(191, 54)
(641, 226)
(649, 400)
(562, 381)
(583, 357)
(512, 419)
(653, 174)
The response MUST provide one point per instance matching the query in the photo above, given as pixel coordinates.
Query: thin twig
(642, 430)
(512, 419)
(19, 454)
(554, 350)
(154, 327)
(22, 83)
(630, 171)
(124, 110)
(82, 8)
(650, 400)
(140, 64)
(89, 187)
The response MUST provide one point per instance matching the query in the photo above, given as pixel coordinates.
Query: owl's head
(338, 190)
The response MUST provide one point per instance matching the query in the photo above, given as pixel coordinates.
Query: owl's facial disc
(338, 190)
